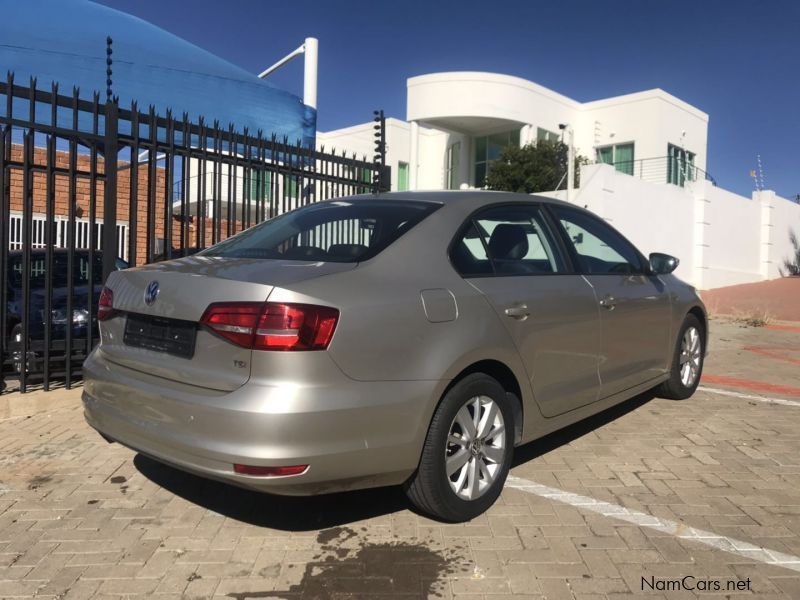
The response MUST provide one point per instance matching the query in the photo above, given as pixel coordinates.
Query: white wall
(779, 216)
(462, 105)
(490, 96)
(721, 238)
(361, 140)
(652, 119)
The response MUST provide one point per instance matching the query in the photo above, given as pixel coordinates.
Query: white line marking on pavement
(680, 530)
(766, 399)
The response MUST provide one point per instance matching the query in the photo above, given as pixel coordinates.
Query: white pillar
(570, 164)
(769, 267)
(700, 227)
(414, 158)
(526, 135)
(310, 62)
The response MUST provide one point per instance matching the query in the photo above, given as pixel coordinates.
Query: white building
(458, 122)
(656, 192)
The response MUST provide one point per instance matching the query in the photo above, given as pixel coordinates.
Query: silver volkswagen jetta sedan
(405, 338)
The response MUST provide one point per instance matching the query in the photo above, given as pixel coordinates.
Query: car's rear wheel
(467, 451)
(687, 361)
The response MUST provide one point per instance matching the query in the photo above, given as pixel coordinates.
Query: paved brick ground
(83, 519)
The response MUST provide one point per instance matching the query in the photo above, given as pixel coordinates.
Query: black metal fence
(87, 187)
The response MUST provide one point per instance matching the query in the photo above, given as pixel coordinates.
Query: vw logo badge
(151, 293)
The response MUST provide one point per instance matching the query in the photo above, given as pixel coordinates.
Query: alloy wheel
(690, 357)
(475, 448)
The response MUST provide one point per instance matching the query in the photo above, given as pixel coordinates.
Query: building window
(489, 148)
(619, 155)
(547, 136)
(454, 166)
(260, 185)
(680, 165)
(402, 176)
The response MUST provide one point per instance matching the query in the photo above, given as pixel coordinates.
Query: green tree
(792, 264)
(539, 167)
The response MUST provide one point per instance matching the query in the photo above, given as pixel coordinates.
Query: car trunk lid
(162, 337)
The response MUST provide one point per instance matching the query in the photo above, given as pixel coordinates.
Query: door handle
(609, 302)
(519, 311)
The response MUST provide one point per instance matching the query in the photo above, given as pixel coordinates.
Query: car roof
(454, 196)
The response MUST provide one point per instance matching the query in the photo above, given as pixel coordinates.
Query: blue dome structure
(65, 41)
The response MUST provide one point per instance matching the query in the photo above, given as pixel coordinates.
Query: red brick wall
(83, 199)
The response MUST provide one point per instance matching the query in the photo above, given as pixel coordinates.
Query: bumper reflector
(260, 471)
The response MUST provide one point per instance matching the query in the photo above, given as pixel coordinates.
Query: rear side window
(335, 231)
(506, 240)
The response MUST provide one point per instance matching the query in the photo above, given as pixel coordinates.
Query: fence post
(110, 150)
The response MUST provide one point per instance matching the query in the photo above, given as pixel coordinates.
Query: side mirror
(663, 264)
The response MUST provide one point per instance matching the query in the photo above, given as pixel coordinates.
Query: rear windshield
(334, 231)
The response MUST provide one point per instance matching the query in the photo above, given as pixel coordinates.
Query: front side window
(599, 248)
(487, 149)
(506, 240)
(619, 155)
(335, 231)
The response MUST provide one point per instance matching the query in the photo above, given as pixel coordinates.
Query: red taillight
(235, 321)
(271, 325)
(105, 305)
(269, 471)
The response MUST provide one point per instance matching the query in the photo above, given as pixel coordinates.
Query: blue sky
(737, 61)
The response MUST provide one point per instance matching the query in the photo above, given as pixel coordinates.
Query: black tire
(429, 489)
(674, 387)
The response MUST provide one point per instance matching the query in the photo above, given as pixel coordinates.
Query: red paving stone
(777, 299)
(749, 384)
(784, 327)
(786, 354)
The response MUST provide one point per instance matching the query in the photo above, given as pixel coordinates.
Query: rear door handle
(519, 311)
(609, 302)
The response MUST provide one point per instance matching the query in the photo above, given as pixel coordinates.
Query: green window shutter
(680, 165)
(623, 158)
(402, 176)
(605, 155)
(260, 185)
(254, 175)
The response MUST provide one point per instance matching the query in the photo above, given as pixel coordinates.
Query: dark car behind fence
(87, 187)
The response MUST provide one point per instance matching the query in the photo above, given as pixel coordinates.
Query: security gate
(88, 187)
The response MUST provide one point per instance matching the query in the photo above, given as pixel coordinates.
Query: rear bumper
(352, 434)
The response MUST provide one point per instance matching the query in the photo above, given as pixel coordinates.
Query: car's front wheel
(467, 452)
(687, 361)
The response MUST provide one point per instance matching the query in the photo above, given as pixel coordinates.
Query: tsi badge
(151, 293)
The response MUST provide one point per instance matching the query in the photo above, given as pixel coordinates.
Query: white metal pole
(311, 47)
(281, 62)
(570, 164)
(310, 50)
